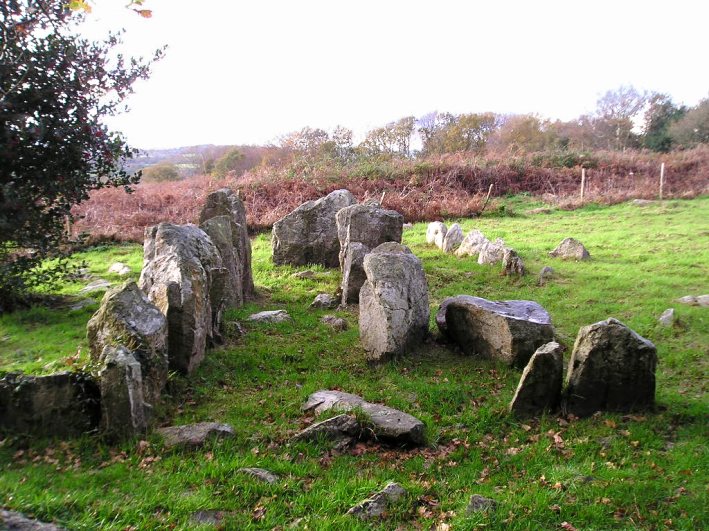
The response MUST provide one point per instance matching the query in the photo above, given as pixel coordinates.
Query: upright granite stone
(570, 249)
(225, 202)
(57, 405)
(353, 275)
(124, 412)
(127, 318)
(369, 224)
(539, 388)
(506, 330)
(393, 302)
(612, 368)
(181, 269)
(512, 264)
(492, 252)
(221, 230)
(435, 232)
(453, 239)
(472, 244)
(308, 235)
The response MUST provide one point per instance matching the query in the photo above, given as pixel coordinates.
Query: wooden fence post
(662, 179)
(583, 182)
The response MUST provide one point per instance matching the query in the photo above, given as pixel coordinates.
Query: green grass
(608, 472)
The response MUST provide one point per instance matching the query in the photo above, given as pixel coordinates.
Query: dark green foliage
(660, 115)
(229, 163)
(693, 127)
(161, 172)
(56, 89)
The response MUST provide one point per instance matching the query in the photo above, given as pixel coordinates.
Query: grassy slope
(606, 472)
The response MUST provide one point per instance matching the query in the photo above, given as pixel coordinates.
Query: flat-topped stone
(194, 435)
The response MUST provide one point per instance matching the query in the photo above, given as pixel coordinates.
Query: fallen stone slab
(307, 274)
(270, 316)
(695, 300)
(324, 301)
(539, 387)
(642, 202)
(338, 428)
(377, 504)
(570, 249)
(386, 423)
(194, 435)
(612, 368)
(509, 331)
(14, 521)
(334, 322)
(480, 503)
(261, 474)
(95, 285)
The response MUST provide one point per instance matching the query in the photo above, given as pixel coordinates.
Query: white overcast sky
(247, 72)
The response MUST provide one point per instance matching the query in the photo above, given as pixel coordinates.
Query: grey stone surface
(14, 521)
(509, 331)
(353, 275)
(539, 388)
(308, 235)
(225, 202)
(208, 517)
(377, 504)
(369, 224)
(324, 301)
(270, 316)
(546, 274)
(124, 412)
(491, 252)
(120, 269)
(224, 234)
(336, 428)
(393, 302)
(60, 404)
(472, 244)
(95, 285)
(334, 322)
(570, 249)
(452, 239)
(194, 435)
(667, 318)
(612, 368)
(480, 503)
(126, 317)
(181, 268)
(261, 474)
(512, 264)
(387, 423)
(435, 233)
(695, 300)
(307, 274)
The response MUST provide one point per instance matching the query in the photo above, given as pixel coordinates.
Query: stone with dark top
(612, 368)
(182, 267)
(386, 423)
(393, 302)
(376, 506)
(539, 387)
(226, 202)
(509, 331)
(480, 503)
(570, 249)
(512, 264)
(308, 235)
(194, 435)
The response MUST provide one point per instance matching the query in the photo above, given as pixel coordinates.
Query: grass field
(610, 471)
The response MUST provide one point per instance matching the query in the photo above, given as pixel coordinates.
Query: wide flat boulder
(393, 302)
(387, 423)
(308, 235)
(612, 368)
(225, 202)
(182, 267)
(509, 331)
(194, 435)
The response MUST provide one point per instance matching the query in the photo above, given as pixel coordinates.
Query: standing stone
(570, 249)
(221, 230)
(124, 412)
(181, 268)
(539, 388)
(393, 303)
(512, 264)
(56, 405)
(453, 239)
(127, 318)
(369, 224)
(324, 301)
(544, 275)
(435, 232)
(492, 252)
(667, 318)
(308, 235)
(472, 244)
(225, 202)
(612, 368)
(353, 275)
(506, 330)
(377, 504)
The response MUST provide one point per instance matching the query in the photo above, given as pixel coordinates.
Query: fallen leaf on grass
(567, 526)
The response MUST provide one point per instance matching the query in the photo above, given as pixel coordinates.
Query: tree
(448, 133)
(661, 113)
(229, 164)
(524, 133)
(161, 172)
(56, 89)
(616, 112)
(693, 127)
